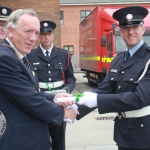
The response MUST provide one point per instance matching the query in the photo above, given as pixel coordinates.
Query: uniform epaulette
(148, 48)
(120, 53)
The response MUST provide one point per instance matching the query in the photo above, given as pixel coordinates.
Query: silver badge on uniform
(113, 70)
(37, 63)
(3, 124)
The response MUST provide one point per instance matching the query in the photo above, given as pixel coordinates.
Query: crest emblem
(45, 24)
(3, 124)
(4, 11)
(129, 16)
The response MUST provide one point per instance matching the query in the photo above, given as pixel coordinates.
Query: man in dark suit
(24, 111)
(125, 90)
(54, 71)
(4, 13)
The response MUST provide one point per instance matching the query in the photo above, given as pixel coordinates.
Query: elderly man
(4, 13)
(24, 111)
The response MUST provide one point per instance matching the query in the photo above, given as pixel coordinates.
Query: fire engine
(100, 41)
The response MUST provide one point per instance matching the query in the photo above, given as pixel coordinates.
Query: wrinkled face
(132, 35)
(46, 39)
(26, 33)
(2, 28)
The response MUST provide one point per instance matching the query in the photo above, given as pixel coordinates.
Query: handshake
(69, 102)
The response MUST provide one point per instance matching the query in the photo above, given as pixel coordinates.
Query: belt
(55, 92)
(136, 113)
(45, 85)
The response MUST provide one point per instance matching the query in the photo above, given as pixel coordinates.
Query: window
(61, 17)
(109, 43)
(69, 48)
(84, 14)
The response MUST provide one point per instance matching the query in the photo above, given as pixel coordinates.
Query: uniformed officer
(125, 89)
(4, 13)
(54, 71)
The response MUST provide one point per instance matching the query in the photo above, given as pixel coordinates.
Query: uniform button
(131, 79)
(49, 79)
(34, 68)
(48, 64)
(49, 72)
(119, 87)
(112, 79)
(142, 125)
(122, 72)
(39, 90)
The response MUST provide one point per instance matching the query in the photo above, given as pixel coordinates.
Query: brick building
(46, 9)
(72, 12)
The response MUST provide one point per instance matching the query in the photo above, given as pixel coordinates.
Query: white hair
(13, 19)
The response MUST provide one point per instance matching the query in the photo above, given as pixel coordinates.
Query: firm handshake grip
(69, 102)
(88, 99)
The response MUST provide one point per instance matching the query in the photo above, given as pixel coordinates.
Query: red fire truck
(100, 42)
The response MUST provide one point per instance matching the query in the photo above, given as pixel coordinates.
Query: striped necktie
(26, 62)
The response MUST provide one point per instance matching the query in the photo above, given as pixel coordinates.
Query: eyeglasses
(2, 26)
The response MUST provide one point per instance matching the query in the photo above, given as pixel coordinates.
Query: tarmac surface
(90, 133)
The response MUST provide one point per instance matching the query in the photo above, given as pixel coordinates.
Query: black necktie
(26, 62)
(47, 55)
(127, 55)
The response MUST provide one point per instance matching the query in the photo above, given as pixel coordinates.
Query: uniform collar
(17, 52)
(50, 50)
(135, 48)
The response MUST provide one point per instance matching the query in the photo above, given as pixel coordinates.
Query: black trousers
(57, 135)
(122, 148)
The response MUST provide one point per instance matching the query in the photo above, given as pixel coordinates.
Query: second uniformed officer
(54, 71)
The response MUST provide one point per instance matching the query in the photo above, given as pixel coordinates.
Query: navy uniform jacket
(26, 110)
(119, 93)
(50, 71)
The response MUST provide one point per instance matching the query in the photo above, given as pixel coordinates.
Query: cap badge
(4, 11)
(45, 24)
(129, 16)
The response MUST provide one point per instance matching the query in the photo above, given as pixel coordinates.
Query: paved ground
(90, 133)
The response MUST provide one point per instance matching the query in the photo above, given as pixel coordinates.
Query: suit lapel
(30, 74)
(53, 53)
(40, 54)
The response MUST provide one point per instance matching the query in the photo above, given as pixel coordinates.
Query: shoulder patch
(3, 124)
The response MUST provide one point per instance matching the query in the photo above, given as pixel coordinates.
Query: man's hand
(64, 103)
(70, 114)
(89, 99)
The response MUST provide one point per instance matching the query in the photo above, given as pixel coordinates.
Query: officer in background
(4, 13)
(54, 70)
(126, 89)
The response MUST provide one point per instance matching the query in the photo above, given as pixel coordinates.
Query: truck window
(120, 44)
(146, 37)
(109, 42)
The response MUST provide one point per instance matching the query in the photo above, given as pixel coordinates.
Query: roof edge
(72, 4)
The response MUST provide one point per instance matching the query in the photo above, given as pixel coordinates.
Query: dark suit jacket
(52, 73)
(119, 93)
(26, 110)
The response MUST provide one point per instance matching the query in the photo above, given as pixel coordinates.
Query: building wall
(46, 10)
(70, 30)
